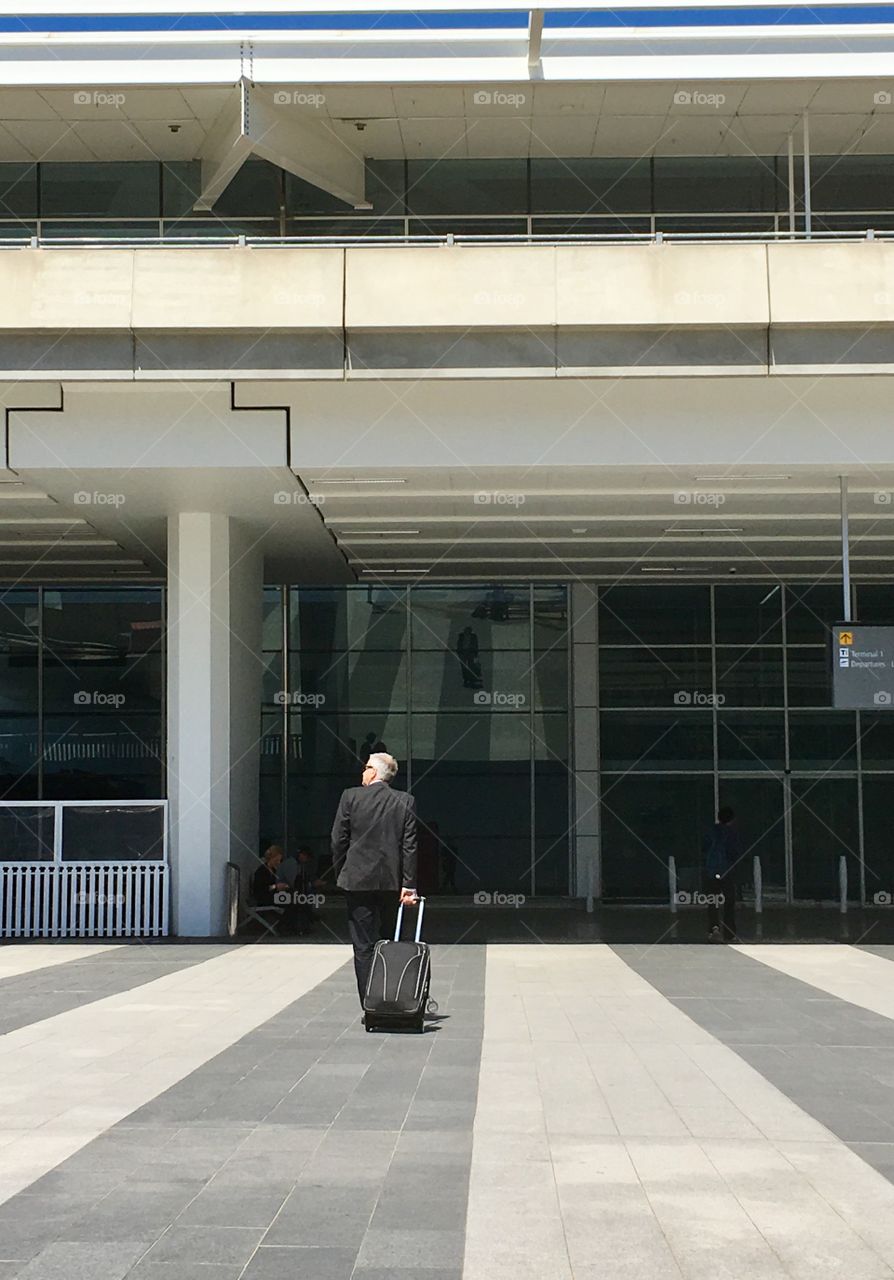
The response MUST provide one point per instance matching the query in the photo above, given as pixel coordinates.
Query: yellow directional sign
(845, 637)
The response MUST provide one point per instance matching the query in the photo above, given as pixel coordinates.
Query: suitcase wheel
(431, 1007)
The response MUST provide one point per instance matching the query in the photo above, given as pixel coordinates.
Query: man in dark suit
(374, 857)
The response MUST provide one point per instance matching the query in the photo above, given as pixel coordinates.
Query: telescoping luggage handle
(420, 903)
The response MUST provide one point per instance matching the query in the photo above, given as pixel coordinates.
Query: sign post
(862, 667)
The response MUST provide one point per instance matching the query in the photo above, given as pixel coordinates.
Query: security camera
(359, 125)
(174, 128)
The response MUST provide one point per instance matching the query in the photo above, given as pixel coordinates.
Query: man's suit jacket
(374, 839)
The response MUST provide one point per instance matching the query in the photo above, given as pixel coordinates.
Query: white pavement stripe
(615, 1138)
(860, 977)
(16, 960)
(67, 1079)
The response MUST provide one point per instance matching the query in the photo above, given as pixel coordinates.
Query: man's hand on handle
(408, 897)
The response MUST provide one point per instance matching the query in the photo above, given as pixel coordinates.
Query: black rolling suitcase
(397, 991)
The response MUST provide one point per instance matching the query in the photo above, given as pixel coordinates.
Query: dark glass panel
(747, 615)
(94, 833)
(495, 681)
(551, 617)
(752, 741)
(851, 182)
(103, 757)
(304, 198)
(655, 615)
(355, 225)
(108, 189)
(550, 671)
(385, 183)
(877, 843)
(26, 835)
(655, 678)
(356, 681)
(271, 619)
(255, 191)
(328, 620)
(759, 808)
(750, 677)
(652, 740)
(811, 611)
(809, 677)
(482, 816)
(181, 186)
(877, 739)
(822, 740)
(499, 617)
(644, 821)
(467, 186)
(590, 185)
(457, 224)
(875, 603)
(824, 826)
(715, 184)
(18, 191)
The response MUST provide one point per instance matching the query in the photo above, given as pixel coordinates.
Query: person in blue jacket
(723, 852)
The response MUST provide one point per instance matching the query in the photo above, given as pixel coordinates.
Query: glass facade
(466, 686)
(713, 695)
(82, 694)
(514, 196)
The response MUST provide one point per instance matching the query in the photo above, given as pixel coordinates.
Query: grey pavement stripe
(832, 1058)
(31, 997)
(883, 952)
(307, 1148)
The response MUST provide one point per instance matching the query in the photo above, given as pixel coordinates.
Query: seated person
(266, 882)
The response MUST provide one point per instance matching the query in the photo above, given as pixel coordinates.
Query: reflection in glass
(644, 821)
(95, 833)
(26, 835)
(677, 739)
(748, 615)
(650, 616)
(824, 826)
(499, 617)
(750, 677)
(823, 739)
(809, 677)
(877, 739)
(810, 612)
(655, 678)
(335, 619)
(877, 843)
(102, 757)
(753, 741)
(759, 808)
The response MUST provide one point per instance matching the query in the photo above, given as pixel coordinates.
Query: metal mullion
(285, 598)
(860, 829)
(408, 699)
(786, 756)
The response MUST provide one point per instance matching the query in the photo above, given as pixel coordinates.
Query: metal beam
(535, 37)
(257, 123)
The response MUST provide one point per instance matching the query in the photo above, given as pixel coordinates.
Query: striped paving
(576, 1112)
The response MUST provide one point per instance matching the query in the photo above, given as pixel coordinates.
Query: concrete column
(215, 582)
(584, 666)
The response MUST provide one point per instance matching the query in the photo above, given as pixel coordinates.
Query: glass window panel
(18, 191)
(739, 184)
(26, 835)
(104, 230)
(457, 224)
(851, 181)
(102, 757)
(94, 833)
(809, 677)
(875, 603)
(752, 741)
(749, 677)
(493, 681)
(705, 222)
(467, 186)
(19, 638)
(109, 189)
(877, 739)
(877, 843)
(499, 617)
(359, 681)
(655, 615)
(181, 186)
(476, 736)
(822, 739)
(550, 673)
(385, 183)
(747, 615)
(653, 740)
(824, 826)
(551, 738)
(354, 225)
(271, 619)
(18, 758)
(590, 185)
(220, 228)
(592, 226)
(484, 820)
(357, 618)
(255, 190)
(303, 197)
(811, 611)
(271, 678)
(644, 821)
(655, 677)
(551, 825)
(758, 804)
(325, 744)
(551, 617)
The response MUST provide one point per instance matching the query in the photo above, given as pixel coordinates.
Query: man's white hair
(384, 765)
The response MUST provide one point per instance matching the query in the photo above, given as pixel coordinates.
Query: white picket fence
(68, 898)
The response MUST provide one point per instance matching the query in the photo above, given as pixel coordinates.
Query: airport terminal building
(511, 387)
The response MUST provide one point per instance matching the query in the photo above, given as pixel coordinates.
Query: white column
(215, 582)
(587, 851)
